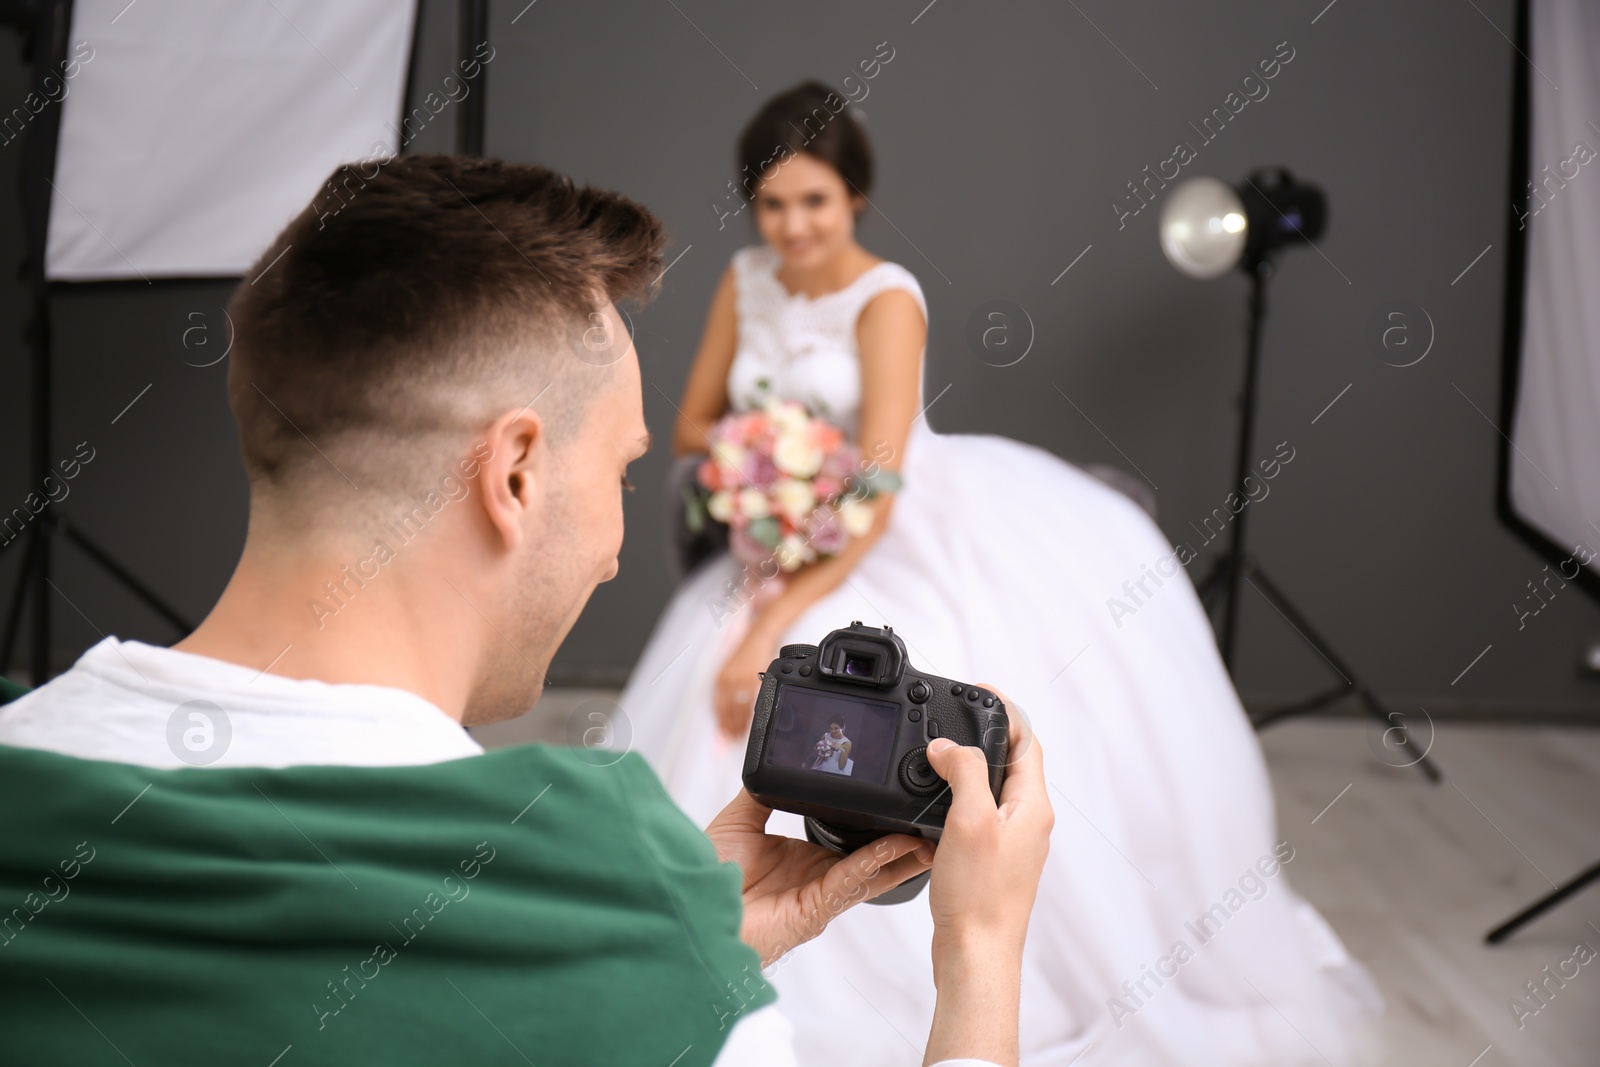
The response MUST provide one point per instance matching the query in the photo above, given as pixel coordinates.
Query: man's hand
(991, 855)
(985, 877)
(792, 888)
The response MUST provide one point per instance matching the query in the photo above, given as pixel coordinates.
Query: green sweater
(524, 906)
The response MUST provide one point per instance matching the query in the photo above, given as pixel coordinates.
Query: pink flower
(840, 463)
(801, 499)
(746, 549)
(759, 470)
(826, 436)
(825, 531)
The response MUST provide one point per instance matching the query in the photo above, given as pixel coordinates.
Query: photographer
(284, 810)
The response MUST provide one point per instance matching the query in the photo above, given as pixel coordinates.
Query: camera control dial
(918, 775)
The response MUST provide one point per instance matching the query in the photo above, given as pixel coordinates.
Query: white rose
(791, 552)
(720, 505)
(753, 503)
(855, 516)
(793, 454)
(730, 455)
(787, 415)
(795, 499)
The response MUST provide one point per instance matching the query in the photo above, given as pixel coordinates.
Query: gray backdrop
(1003, 132)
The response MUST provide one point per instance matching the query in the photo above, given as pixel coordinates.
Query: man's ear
(512, 477)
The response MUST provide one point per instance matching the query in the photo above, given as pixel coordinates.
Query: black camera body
(840, 735)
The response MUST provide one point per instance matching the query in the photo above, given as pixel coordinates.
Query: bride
(1165, 931)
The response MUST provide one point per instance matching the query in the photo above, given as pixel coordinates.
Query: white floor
(1412, 875)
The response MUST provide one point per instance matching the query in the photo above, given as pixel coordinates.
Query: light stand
(1516, 304)
(1207, 228)
(45, 26)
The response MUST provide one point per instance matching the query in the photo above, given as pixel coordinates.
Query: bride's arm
(705, 396)
(890, 332)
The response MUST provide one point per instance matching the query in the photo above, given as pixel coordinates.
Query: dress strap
(882, 278)
(746, 261)
(752, 292)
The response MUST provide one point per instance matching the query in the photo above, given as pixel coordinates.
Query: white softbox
(193, 130)
(1552, 469)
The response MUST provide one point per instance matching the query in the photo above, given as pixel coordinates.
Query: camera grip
(972, 715)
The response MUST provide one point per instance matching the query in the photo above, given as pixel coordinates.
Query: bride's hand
(739, 680)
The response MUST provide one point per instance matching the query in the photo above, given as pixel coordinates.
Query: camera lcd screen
(831, 733)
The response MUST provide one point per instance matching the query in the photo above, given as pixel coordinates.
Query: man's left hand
(793, 888)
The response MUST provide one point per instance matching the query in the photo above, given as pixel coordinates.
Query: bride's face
(805, 210)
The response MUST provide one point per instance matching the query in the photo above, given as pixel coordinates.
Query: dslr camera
(840, 735)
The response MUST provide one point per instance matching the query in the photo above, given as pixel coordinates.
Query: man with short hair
(437, 402)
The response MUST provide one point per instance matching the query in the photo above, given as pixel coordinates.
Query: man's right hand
(985, 877)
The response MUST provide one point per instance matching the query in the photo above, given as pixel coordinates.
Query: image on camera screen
(832, 734)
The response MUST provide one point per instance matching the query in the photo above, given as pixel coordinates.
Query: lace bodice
(804, 348)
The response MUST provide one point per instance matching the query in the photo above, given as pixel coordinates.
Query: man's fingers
(744, 812)
(867, 861)
(967, 771)
(881, 866)
(908, 866)
(1024, 757)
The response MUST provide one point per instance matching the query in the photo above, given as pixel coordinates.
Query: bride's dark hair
(809, 118)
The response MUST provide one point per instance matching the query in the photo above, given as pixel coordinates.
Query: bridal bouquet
(787, 484)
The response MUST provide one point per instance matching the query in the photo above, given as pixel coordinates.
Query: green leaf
(880, 482)
(765, 531)
(694, 509)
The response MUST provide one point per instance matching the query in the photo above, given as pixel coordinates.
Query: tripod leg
(25, 582)
(1305, 707)
(125, 576)
(1215, 582)
(39, 649)
(1369, 700)
(1540, 906)
(1269, 590)
(22, 535)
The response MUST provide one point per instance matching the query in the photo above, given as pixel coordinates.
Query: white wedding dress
(996, 568)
